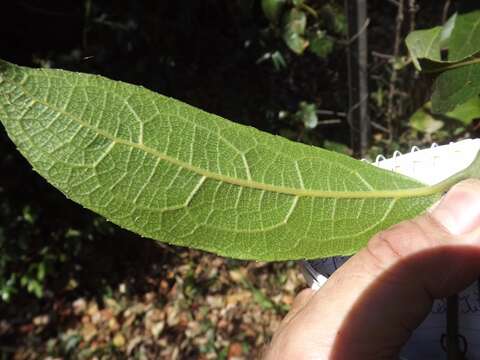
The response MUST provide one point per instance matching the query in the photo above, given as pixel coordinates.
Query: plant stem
(394, 74)
(454, 65)
(446, 8)
(309, 10)
(357, 114)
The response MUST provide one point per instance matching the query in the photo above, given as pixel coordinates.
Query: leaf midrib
(394, 194)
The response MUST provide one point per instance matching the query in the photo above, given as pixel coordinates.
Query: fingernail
(459, 210)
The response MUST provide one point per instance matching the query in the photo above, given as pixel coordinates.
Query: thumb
(459, 211)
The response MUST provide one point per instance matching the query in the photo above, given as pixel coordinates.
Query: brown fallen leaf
(79, 306)
(235, 350)
(89, 331)
(119, 340)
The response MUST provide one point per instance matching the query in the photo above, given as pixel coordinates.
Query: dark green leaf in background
(422, 120)
(467, 112)
(272, 9)
(464, 40)
(307, 114)
(459, 39)
(450, 52)
(424, 46)
(294, 30)
(427, 122)
(455, 87)
(320, 44)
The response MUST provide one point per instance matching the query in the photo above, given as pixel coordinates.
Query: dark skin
(370, 306)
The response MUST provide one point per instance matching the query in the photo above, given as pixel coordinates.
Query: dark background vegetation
(73, 285)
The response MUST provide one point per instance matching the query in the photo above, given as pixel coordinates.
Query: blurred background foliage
(278, 65)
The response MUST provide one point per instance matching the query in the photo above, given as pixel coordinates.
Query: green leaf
(447, 30)
(174, 173)
(424, 45)
(464, 40)
(296, 21)
(332, 18)
(423, 121)
(278, 61)
(307, 114)
(272, 9)
(294, 29)
(466, 112)
(459, 37)
(455, 87)
(320, 44)
(459, 70)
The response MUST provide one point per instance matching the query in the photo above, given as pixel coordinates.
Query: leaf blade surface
(455, 87)
(459, 38)
(177, 174)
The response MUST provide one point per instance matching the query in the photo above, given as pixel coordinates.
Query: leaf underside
(171, 172)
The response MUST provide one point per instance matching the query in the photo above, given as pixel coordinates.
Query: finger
(302, 298)
(272, 351)
(459, 212)
(300, 301)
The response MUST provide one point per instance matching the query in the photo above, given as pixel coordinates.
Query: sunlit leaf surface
(177, 174)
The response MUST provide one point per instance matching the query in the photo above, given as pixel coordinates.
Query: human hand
(369, 307)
